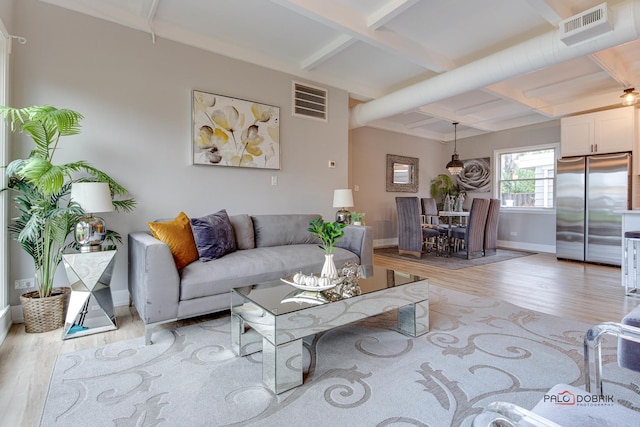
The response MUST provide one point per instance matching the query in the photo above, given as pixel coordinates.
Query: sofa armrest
(359, 240)
(154, 281)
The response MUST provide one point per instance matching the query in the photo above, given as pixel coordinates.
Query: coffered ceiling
(415, 66)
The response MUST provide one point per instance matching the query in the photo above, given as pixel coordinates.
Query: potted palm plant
(46, 216)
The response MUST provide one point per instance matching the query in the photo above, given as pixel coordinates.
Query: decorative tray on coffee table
(289, 281)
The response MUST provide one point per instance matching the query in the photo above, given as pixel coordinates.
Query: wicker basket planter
(44, 314)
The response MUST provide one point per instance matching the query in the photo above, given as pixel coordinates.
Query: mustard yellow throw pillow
(178, 236)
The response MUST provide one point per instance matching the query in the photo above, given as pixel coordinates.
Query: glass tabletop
(279, 298)
(275, 317)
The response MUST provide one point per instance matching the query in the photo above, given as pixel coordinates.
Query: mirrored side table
(90, 307)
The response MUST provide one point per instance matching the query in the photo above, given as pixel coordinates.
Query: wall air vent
(586, 25)
(310, 101)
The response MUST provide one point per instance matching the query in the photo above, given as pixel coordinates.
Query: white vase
(329, 268)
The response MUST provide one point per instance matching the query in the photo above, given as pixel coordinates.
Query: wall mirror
(402, 173)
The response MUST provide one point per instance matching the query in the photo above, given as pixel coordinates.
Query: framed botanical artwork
(234, 132)
(476, 175)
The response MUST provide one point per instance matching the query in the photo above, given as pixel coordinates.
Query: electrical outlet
(24, 283)
(514, 233)
(274, 180)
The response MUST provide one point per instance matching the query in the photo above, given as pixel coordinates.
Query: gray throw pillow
(243, 229)
(213, 235)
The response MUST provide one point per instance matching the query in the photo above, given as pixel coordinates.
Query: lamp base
(343, 216)
(91, 248)
(90, 232)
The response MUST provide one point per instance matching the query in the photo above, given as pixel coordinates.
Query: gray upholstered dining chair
(552, 413)
(430, 214)
(411, 234)
(491, 228)
(473, 233)
(430, 211)
(431, 219)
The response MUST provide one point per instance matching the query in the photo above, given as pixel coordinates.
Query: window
(525, 177)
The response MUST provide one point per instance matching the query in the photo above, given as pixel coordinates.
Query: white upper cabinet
(609, 131)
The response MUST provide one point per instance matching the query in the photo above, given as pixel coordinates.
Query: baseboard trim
(5, 323)
(382, 243)
(530, 247)
(16, 314)
(120, 298)
(506, 244)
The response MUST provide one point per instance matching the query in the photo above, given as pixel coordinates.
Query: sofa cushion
(178, 236)
(242, 268)
(213, 235)
(277, 230)
(243, 229)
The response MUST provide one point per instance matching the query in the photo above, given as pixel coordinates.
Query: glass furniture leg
(266, 317)
(244, 340)
(282, 365)
(413, 319)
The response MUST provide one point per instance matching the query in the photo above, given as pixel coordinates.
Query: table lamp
(342, 198)
(92, 197)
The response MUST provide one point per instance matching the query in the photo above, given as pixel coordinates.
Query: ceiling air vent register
(309, 101)
(586, 25)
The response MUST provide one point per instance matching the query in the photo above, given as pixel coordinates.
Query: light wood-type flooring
(580, 291)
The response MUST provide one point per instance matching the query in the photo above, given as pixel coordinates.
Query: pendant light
(629, 97)
(455, 166)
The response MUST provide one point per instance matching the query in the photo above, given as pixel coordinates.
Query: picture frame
(233, 132)
(476, 176)
(402, 174)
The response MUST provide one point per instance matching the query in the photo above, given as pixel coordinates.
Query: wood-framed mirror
(402, 174)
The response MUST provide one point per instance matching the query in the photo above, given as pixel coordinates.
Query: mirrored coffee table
(274, 317)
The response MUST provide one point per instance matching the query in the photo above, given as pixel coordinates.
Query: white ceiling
(374, 48)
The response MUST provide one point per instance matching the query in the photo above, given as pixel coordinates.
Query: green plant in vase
(441, 187)
(329, 233)
(41, 190)
(357, 218)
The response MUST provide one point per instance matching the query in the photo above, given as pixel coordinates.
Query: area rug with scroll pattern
(478, 350)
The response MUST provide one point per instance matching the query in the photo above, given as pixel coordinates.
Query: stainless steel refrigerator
(589, 190)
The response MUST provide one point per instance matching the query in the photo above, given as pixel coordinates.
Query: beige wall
(531, 231)
(136, 95)
(136, 99)
(6, 12)
(369, 149)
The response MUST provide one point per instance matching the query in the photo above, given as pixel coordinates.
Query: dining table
(463, 215)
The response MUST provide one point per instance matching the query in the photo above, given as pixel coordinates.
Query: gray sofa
(269, 247)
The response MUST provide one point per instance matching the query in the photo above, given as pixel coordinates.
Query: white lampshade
(342, 198)
(92, 196)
